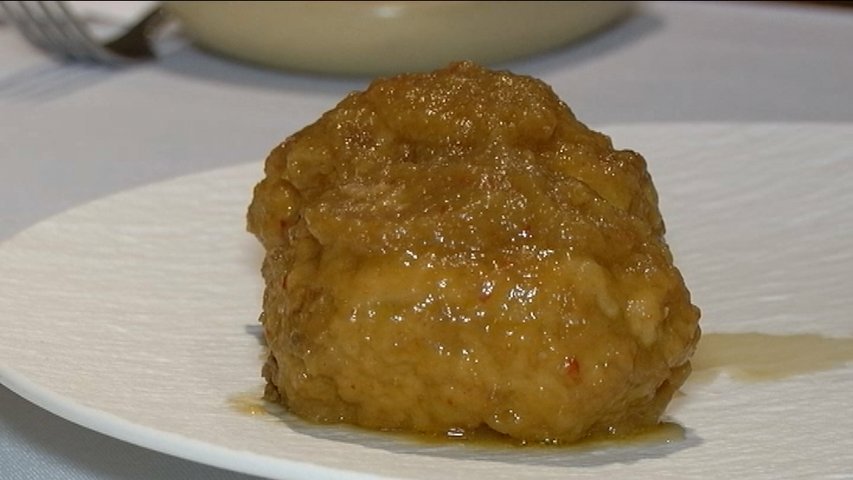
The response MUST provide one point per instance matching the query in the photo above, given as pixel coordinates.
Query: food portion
(454, 250)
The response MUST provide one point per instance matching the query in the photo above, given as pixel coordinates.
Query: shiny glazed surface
(454, 250)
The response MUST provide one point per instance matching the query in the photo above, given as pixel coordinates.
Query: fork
(53, 27)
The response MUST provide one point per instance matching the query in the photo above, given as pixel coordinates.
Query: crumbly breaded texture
(454, 250)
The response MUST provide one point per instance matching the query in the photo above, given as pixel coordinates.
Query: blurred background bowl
(371, 38)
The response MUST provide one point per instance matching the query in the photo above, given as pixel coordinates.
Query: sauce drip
(757, 357)
(252, 403)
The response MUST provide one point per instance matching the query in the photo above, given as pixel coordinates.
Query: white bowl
(369, 38)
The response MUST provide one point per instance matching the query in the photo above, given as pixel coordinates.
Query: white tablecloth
(191, 112)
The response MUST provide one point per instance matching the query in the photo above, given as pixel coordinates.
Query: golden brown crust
(455, 249)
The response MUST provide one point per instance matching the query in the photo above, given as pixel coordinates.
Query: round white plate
(135, 315)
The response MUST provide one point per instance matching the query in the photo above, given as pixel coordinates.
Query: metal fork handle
(134, 44)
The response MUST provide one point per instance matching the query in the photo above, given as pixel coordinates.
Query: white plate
(135, 316)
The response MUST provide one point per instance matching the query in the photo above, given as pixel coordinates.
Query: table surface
(190, 112)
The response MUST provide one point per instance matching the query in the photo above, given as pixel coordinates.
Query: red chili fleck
(572, 367)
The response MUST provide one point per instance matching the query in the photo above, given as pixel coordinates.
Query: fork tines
(53, 27)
